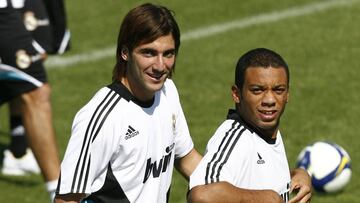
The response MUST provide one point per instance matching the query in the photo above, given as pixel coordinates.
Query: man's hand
(301, 184)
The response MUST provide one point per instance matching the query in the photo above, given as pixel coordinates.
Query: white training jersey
(239, 155)
(122, 149)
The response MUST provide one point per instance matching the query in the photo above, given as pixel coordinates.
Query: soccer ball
(328, 164)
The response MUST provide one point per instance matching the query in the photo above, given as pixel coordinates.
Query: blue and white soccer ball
(328, 164)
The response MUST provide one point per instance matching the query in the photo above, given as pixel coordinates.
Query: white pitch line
(62, 61)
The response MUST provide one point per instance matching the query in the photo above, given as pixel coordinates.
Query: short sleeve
(210, 171)
(223, 158)
(89, 150)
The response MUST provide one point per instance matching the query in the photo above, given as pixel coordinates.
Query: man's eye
(279, 91)
(147, 53)
(169, 54)
(256, 91)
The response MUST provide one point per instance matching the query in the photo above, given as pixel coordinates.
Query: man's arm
(225, 192)
(69, 198)
(301, 184)
(187, 164)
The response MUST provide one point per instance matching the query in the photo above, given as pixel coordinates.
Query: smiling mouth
(267, 112)
(268, 115)
(157, 76)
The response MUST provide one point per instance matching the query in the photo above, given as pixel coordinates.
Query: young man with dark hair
(245, 160)
(126, 140)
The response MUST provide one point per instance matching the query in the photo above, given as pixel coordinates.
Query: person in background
(46, 21)
(23, 84)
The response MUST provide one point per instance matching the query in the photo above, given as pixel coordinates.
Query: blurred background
(319, 39)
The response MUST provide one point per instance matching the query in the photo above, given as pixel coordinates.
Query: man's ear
(125, 53)
(235, 93)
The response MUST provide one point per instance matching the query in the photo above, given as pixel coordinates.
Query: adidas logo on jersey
(131, 132)
(260, 161)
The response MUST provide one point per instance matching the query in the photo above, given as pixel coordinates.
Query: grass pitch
(321, 46)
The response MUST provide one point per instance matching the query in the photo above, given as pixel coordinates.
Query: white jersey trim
(11, 73)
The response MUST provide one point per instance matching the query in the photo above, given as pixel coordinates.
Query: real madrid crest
(173, 123)
(23, 60)
(30, 21)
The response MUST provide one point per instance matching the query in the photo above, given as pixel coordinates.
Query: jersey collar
(120, 89)
(233, 115)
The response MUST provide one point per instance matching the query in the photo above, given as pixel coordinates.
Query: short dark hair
(144, 24)
(259, 57)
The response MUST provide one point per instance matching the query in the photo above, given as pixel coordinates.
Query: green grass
(321, 49)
